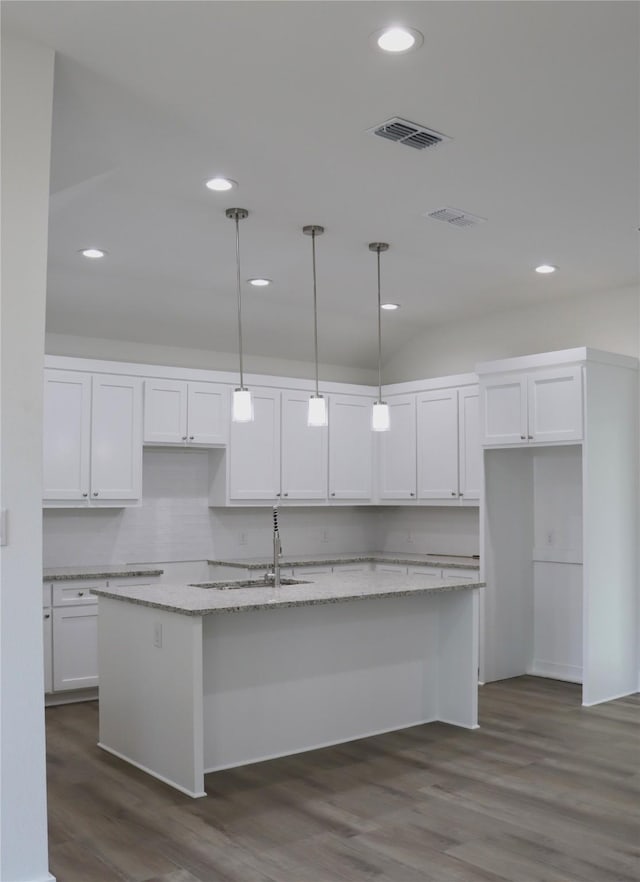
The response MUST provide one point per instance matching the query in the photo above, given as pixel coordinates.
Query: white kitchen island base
(226, 690)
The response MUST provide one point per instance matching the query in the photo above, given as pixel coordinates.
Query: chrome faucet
(274, 576)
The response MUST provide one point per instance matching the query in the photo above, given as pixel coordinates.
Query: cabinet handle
(278, 494)
(85, 495)
(460, 494)
(190, 437)
(184, 437)
(412, 494)
(453, 493)
(523, 437)
(286, 494)
(95, 493)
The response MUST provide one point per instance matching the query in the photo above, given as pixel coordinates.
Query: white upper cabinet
(470, 450)
(66, 435)
(92, 443)
(397, 450)
(438, 444)
(116, 438)
(254, 451)
(541, 406)
(304, 451)
(350, 447)
(184, 413)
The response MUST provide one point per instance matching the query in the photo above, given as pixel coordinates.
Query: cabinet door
(350, 447)
(46, 634)
(304, 450)
(470, 449)
(116, 438)
(66, 435)
(254, 451)
(207, 422)
(165, 412)
(438, 444)
(397, 449)
(503, 410)
(75, 647)
(555, 405)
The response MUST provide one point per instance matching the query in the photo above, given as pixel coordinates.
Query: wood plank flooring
(544, 791)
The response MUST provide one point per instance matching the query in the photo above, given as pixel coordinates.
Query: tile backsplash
(175, 523)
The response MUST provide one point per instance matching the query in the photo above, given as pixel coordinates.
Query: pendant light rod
(238, 214)
(314, 230)
(379, 247)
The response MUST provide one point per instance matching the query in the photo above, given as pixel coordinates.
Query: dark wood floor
(544, 791)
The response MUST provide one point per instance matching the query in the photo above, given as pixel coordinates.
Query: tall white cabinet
(559, 520)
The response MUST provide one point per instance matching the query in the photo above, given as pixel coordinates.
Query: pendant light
(317, 415)
(242, 405)
(380, 415)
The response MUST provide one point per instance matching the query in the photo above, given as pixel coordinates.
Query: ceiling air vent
(455, 217)
(409, 133)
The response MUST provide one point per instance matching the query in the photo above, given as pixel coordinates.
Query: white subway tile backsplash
(175, 524)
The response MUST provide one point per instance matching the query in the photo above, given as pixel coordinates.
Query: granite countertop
(427, 560)
(194, 600)
(68, 574)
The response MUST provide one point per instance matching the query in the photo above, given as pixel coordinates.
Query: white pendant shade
(242, 406)
(317, 411)
(380, 421)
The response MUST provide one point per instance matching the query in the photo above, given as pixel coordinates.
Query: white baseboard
(569, 673)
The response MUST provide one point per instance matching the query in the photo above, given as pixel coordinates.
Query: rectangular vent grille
(455, 217)
(411, 134)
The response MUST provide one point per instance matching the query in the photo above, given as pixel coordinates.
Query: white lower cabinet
(75, 647)
(426, 574)
(47, 631)
(390, 568)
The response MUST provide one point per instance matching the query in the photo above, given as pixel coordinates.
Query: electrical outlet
(157, 634)
(243, 539)
(325, 536)
(551, 537)
(409, 536)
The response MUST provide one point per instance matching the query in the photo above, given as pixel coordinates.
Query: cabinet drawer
(390, 568)
(459, 575)
(77, 593)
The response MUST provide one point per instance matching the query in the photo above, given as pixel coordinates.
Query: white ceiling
(152, 98)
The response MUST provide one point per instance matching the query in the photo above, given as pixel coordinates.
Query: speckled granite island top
(194, 600)
(427, 560)
(68, 574)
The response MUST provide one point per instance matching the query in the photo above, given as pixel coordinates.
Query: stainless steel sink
(247, 583)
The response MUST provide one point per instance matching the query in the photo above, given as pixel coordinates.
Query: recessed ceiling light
(397, 39)
(93, 253)
(259, 283)
(389, 306)
(546, 268)
(221, 184)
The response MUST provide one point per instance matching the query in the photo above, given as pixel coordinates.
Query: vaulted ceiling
(540, 99)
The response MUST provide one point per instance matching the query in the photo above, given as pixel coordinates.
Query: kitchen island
(195, 679)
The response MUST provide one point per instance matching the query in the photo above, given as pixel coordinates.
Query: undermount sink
(247, 583)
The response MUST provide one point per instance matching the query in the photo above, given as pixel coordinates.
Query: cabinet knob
(286, 494)
(47, 615)
(95, 493)
(530, 437)
(460, 494)
(453, 493)
(333, 494)
(523, 437)
(412, 494)
(278, 494)
(184, 437)
(80, 593)
(85, 495)
(190, 437)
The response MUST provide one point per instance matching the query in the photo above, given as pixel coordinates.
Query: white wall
(148, 353)
(175, 523)
(606, 320)
(27, 93)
